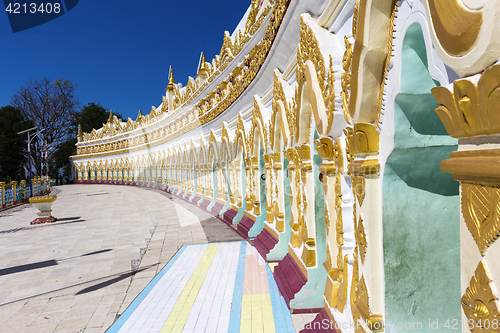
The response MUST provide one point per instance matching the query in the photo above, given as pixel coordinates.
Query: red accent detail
(229, 216)
(289, 278)
(216, 208)
(205, 204)
(265, 242)
(244, 226)
(313, 310)
(41, 220)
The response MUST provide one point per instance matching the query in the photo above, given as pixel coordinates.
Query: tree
(13, 147)
(48, 104)
(92, 116)
(89, 117)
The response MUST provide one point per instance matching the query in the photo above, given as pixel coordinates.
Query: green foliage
(13, 147)
(92, 116)
(89, 117)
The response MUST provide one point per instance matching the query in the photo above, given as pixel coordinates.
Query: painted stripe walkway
(217, 287)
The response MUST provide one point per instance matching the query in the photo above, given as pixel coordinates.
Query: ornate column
(85, 174)
(278, 193)
(269, 184)
(14, 188)
(250, 196)
(256, 185)
(308, 228)
(293, 174)
(470, 111)
(163, 176)
(23, 184)
(99, 174)
(2, 188)
(367, 290)
(119, 178)
(332, 168)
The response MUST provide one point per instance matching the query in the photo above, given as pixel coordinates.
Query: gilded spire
(80, 132)
(171, 80)
(110, 116)
(203, 66)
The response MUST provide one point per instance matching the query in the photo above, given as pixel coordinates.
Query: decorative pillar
(14, 192)
(269, 184)
(85, 174)
(332, 168)
(2, 188)
(367, 290)
(23, 184)
(294, 176)
(278, 192)
(469, 111)
(308, 227)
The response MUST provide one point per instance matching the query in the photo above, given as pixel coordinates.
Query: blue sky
(118, 52)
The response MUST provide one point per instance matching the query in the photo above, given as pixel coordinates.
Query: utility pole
(31, 137)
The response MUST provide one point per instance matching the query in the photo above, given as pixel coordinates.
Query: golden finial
(203, 66)
(171, 80)
(80, 132)
(110, 116)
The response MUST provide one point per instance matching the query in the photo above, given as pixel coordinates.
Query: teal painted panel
(421, 222)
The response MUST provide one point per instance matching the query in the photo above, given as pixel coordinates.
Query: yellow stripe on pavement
(180, 312)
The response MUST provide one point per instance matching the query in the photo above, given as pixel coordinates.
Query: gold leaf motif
(212, 137)
(481, 211)
(279, 95)
(471, 110)
(346, 78)
(361, 239)
(479, 303)
(362, 299)
(359, 186)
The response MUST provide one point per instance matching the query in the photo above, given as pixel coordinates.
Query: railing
(16, 193)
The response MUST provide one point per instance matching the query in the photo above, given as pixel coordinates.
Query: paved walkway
(225, 287)
(82, 272)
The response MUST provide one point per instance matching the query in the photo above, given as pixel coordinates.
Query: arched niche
(420, 206)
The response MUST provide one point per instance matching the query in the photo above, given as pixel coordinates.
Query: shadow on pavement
(119, 275)
(43, 264)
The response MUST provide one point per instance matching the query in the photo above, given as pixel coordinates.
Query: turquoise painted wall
(281, 249)
(311, 294)
(420, 206)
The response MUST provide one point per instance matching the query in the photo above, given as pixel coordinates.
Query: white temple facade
(354, 142)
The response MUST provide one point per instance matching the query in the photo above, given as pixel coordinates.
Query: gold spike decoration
(479, 303)
(203, 70)
(171, 80)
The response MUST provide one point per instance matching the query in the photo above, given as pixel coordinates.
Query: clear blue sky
(118, 52)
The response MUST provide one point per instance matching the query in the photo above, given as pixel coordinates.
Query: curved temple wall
(314, 135)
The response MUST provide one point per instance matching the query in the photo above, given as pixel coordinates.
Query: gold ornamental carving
(471, 109)
(309, 49)
(359, 188)
(361, 239)
(368, 72)
(480, 304)
(481, 211)
(346, 78)
(279, 96)
(456, 27)
(207, 108)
